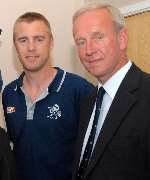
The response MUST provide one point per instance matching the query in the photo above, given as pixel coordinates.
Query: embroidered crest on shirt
(11, 109)
(54, 111)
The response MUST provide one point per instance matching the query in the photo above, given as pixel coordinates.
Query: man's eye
(40, 39)
(80, 42)
(21, 40)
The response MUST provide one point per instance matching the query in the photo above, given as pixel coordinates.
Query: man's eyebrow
(39, 36)
(22, 37)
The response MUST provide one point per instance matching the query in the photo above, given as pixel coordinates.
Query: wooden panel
(139, 39)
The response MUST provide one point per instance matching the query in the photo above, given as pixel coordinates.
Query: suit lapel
(125, 98)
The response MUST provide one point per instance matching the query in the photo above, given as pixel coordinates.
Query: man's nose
(31, 45)
(90, 49)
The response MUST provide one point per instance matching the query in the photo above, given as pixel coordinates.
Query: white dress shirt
(111, 86)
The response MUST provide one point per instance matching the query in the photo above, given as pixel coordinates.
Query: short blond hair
(30, 17)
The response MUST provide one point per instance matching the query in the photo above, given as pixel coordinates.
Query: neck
(38, 78)
(36, 82)
(105, 78)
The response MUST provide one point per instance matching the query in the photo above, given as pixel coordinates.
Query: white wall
(59, 13)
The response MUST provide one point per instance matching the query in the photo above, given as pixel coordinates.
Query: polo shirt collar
(19, 81)
(57, 82)
(54, 86)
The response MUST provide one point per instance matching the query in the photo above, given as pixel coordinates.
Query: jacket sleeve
(7, 162)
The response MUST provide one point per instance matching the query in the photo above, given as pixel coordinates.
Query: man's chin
(31, 69)
(93, 72)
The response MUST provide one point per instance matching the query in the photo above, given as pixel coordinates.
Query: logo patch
(54, 112)
(11, 109)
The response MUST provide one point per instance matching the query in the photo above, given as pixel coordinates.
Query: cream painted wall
(59, 13)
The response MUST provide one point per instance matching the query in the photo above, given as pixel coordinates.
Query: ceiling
(119, 3)
(122, 3)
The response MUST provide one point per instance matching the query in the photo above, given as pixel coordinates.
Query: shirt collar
(54, 86)
(111, 86)
(58, 81)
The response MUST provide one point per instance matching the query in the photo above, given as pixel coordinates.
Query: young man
(41, 107)
(7, 163)
(113, 143)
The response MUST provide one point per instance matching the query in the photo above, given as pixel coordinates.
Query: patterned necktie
(89, 146)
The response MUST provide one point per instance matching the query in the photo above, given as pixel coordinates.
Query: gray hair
(115, 13)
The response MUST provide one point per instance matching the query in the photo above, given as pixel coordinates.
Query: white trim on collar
(62, 80)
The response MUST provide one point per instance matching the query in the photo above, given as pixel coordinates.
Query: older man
(114, 133)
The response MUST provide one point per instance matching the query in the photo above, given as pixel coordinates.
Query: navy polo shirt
(44, 145)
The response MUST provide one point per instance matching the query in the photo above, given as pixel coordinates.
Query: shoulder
(137, 76)
(144, 76)
(76, 86)
(71, 80)
(9, 88)
(141, 80)
(145, 83)
(78, 81)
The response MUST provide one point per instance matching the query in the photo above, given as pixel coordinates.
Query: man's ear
(123, 38)
(51, 43)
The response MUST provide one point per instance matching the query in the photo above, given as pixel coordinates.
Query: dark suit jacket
(122, 151)
(7, 164)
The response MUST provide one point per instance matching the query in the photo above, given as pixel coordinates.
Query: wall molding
(136, 8)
